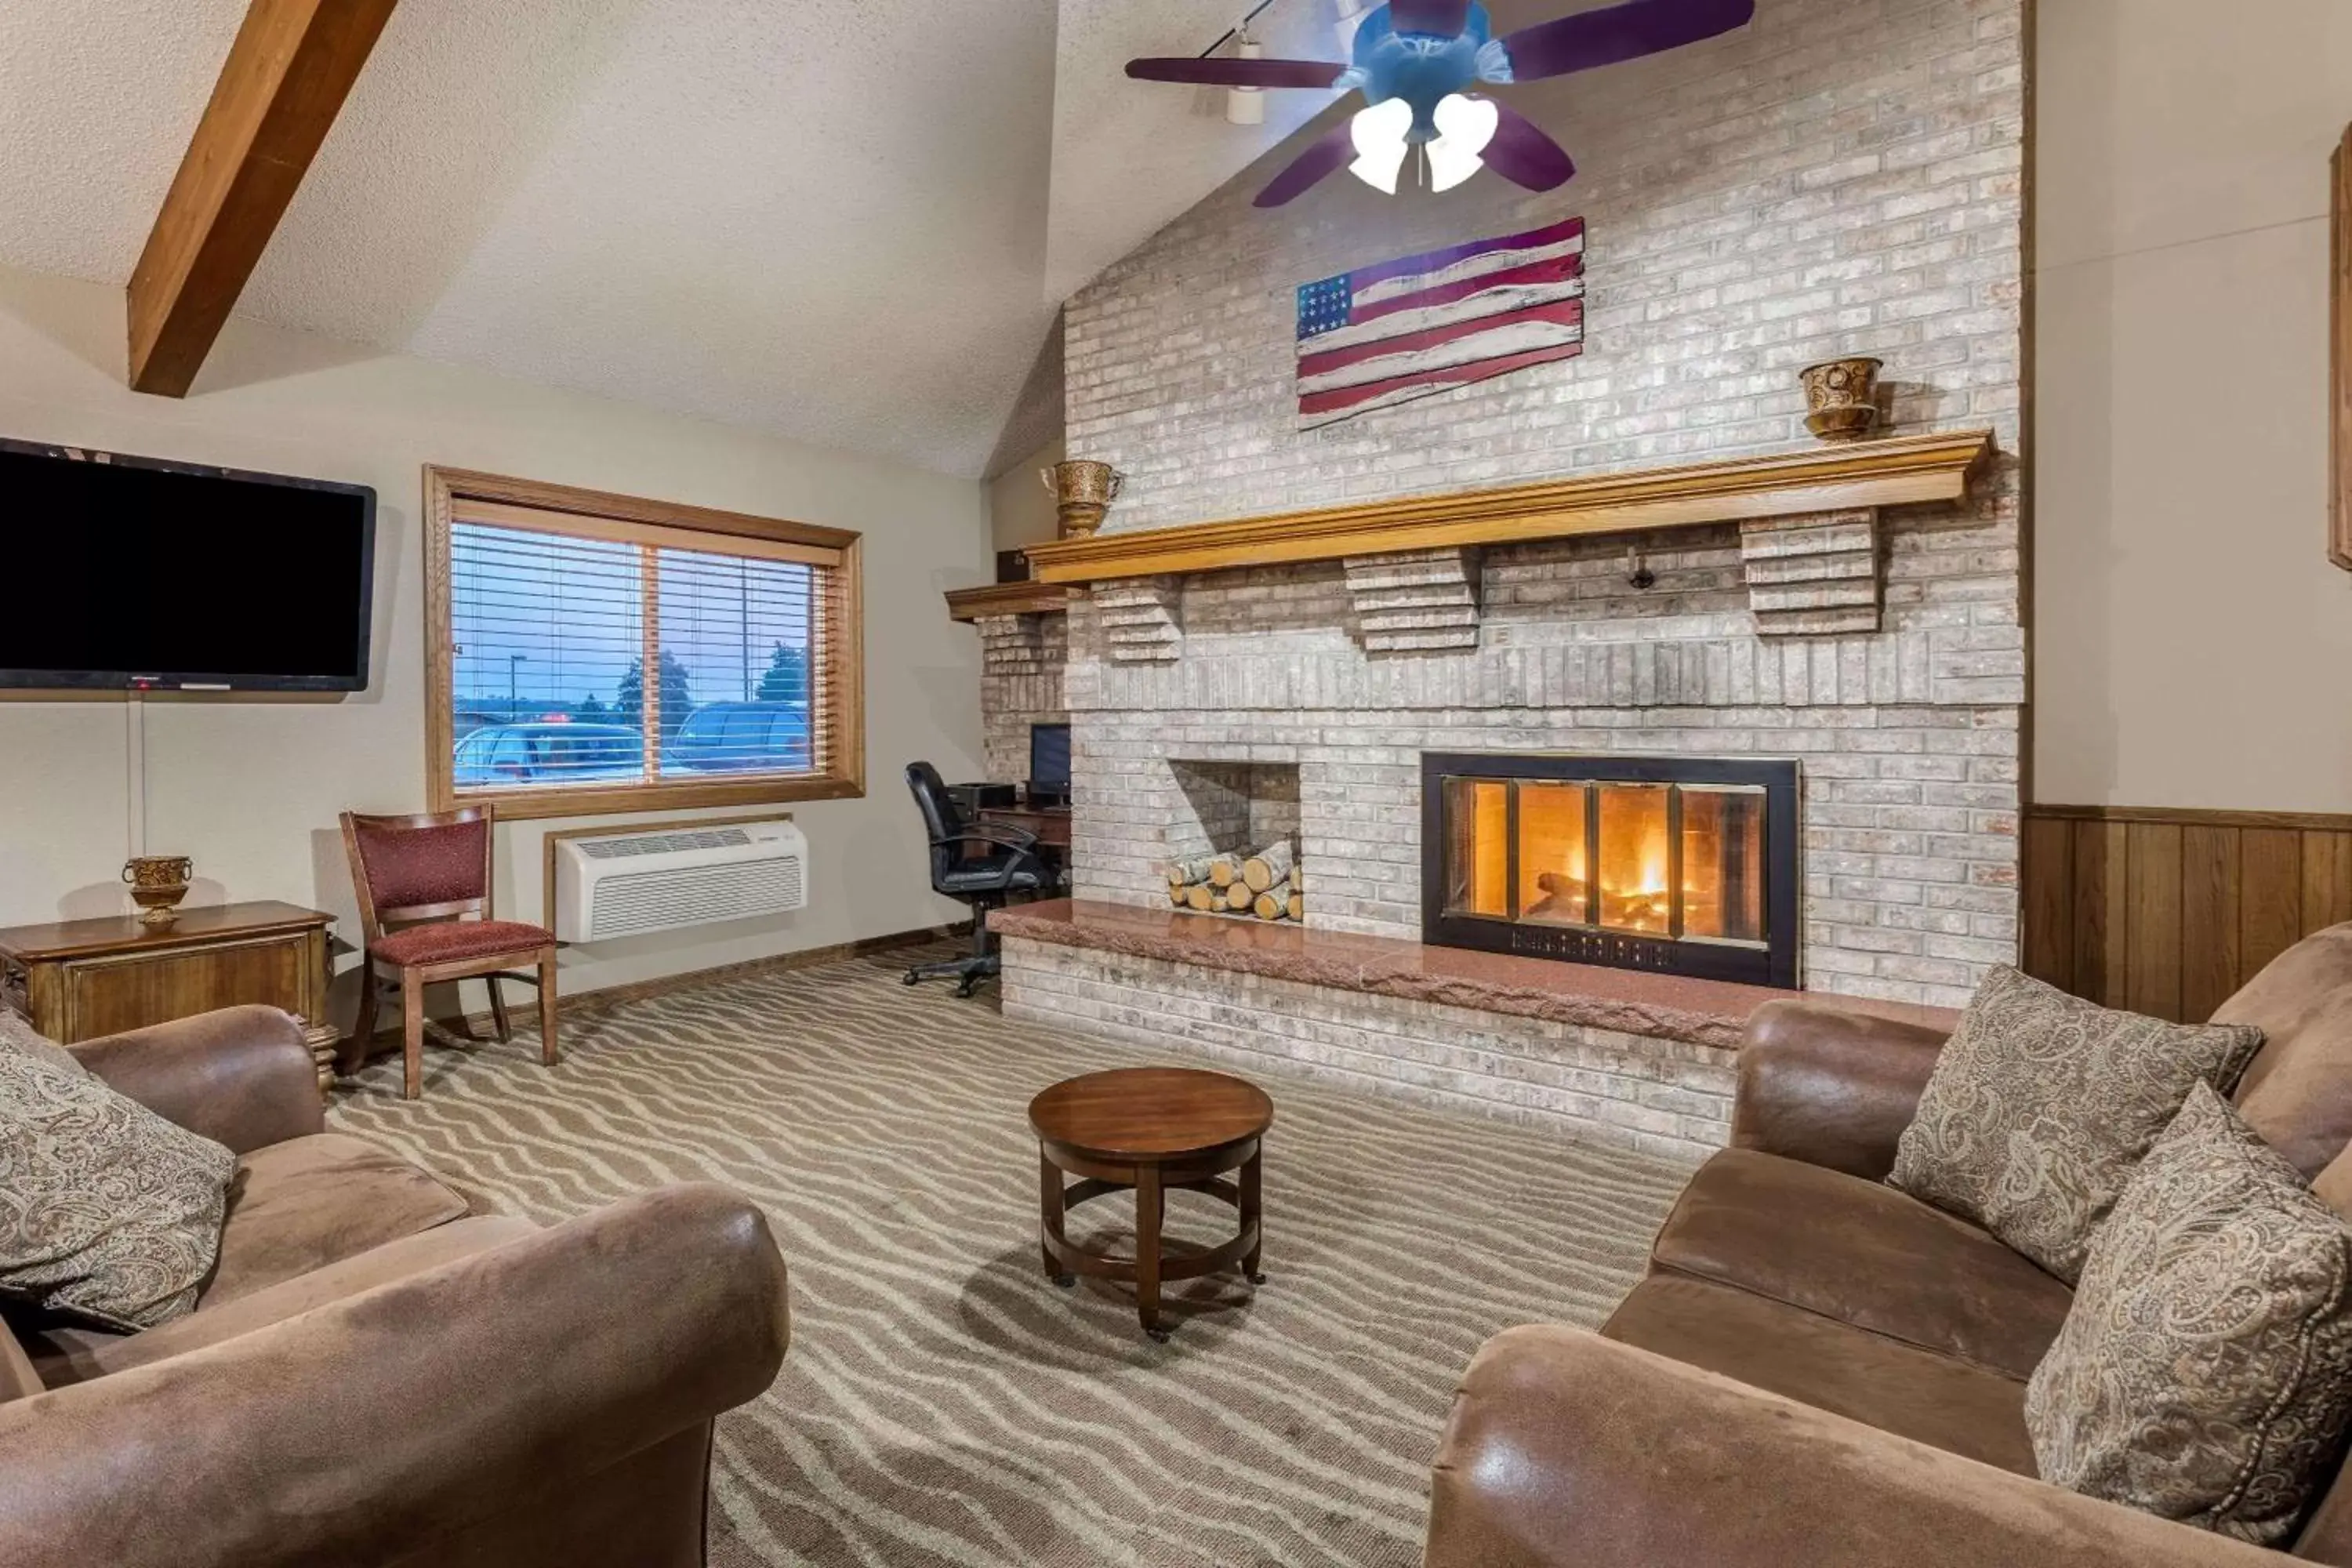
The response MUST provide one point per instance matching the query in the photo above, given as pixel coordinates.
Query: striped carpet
(944, 1403)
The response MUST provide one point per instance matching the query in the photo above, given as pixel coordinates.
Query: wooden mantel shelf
(1009, 599)
(1894, 471)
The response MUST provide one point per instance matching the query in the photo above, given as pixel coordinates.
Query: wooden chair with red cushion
(424, 887)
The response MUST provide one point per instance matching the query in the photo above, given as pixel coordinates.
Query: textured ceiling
(1129, 157)
(847, 221)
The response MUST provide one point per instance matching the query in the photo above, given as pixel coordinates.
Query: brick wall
(1836, 179)
(1023, 660)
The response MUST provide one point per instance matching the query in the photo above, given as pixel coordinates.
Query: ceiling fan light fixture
(1246, 105)
(1378, 134)
(1465, 128)
(1419, 58)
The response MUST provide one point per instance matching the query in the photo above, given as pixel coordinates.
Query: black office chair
(985, 881)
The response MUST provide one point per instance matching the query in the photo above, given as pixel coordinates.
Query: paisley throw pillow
(16, 1033)
(2204, 1373)
(107, 1212)
(2041, 1106)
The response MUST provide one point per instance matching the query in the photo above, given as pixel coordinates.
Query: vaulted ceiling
(847, 221)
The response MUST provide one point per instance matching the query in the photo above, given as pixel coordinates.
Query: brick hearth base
(1643, 1061)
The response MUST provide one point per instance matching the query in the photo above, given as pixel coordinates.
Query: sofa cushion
(2042, 1103)
(1939, 1400)
(107, 1211)
(2205, 1373)
(1865, 1254)
(69, 1355)
(2297, 1091)
(310, 1201)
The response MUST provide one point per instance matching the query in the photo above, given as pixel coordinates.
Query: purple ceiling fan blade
(1218, 72)
(1524, 154)
(1439, 18)
(1330, 153)
(1625, 32)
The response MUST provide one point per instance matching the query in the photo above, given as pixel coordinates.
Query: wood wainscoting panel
(2168, 912)
(2152, 920)
(2211, 949)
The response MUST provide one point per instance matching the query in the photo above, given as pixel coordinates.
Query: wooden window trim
(595, 511)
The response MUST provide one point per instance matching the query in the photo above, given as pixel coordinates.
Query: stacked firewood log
(1269, 885)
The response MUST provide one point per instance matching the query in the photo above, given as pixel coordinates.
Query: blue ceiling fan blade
(1216, 72)
(1330, 153)
(1625, 32)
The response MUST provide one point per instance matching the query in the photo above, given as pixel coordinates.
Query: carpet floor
(944, 1403)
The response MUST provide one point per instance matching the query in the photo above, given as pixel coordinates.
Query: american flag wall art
(1387, 334)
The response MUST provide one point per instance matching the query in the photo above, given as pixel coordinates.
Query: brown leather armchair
(375, 1376)
(1821, 1370)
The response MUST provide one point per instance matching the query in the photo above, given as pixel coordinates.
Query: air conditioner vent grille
(664, 843)
(633, 884)
(632, 902)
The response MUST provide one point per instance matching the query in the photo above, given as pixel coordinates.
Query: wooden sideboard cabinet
(80, 979)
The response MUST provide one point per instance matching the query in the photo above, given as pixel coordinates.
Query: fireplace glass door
(1600, 859)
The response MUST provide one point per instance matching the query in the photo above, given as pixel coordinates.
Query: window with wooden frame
(591, 653)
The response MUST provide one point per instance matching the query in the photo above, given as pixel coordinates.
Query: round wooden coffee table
(1153, 1130)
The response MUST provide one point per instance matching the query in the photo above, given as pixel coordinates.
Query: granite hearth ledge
(1711, 1012)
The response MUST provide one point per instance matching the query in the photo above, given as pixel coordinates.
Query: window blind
(591, 654)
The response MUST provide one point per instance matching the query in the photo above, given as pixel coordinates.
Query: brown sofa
(1820, 1370)
(374, 1375)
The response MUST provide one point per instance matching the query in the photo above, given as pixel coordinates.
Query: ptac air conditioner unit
(627, 884)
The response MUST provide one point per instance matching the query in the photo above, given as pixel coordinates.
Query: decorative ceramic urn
(158, 883)
(1082, 491)
(1841, 397)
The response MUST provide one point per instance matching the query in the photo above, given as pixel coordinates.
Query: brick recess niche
(1023, 660)
(1836, 179)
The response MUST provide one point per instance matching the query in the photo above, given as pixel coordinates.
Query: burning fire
(1633, 890)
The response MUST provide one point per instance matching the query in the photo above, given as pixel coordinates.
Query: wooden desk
(1051, 824)
(79, 980)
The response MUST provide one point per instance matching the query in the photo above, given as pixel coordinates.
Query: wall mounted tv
(129, 573)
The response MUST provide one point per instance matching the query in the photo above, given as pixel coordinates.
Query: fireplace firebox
(1686, 866)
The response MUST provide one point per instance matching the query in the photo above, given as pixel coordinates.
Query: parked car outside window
(742, 738)
(548, 753)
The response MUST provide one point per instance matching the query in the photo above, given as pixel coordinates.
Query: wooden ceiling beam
(293, 64)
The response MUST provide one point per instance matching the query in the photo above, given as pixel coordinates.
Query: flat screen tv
(134, 574)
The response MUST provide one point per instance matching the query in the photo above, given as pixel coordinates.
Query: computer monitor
(1049, 757)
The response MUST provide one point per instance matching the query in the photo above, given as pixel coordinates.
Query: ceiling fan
(1414, 58)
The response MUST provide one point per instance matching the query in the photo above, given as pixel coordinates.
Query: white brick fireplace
(1908, 734)
(1833, 180)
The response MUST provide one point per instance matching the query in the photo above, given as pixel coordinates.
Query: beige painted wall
(250, 788)
(1019, 508)
(2192, 643)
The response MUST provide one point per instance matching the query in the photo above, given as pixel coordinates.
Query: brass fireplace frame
(1773, 961)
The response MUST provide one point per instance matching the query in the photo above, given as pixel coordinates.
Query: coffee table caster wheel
(1065, 1282)
(1157, 1336)
(1254, 1278)
(910, 978)
(964, 991)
